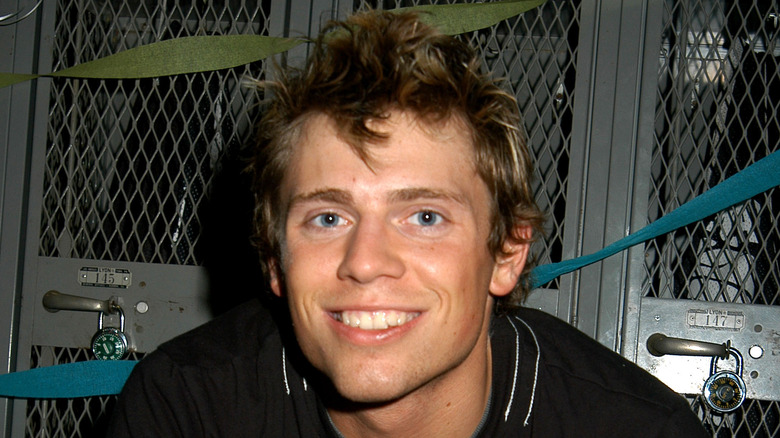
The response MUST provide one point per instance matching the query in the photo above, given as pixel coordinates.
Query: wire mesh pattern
(716, 113)
(79, 417)
(535, 54)
(129, 163)
(715, 116)
(755, 418)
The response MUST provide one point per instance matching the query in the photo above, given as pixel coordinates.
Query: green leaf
(207, 53)
(181, 55)
(467, 17)
(7, 79)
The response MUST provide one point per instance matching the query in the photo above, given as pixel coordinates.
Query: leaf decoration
(208, 53)
(181, 55)
(467, 17)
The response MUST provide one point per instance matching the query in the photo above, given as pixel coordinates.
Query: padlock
(110, 343)
(724, 391)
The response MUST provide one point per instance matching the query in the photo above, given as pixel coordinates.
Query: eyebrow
(340, 196)
(413, 193)
(324, 195)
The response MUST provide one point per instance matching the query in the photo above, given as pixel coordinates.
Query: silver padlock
(110, 343)
(724, 391)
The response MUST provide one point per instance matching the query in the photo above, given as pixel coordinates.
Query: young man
(394, 216)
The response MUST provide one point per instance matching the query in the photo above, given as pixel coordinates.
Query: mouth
(374, 320)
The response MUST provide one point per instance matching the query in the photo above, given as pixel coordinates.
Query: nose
(371, 253)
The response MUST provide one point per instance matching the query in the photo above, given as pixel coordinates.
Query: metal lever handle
(54, 301)
(659, 345)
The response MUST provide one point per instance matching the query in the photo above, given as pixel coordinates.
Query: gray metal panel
(160, 302)
(743, 325)
(641, 183)
(16, 55)
(609, 129)
(41, 52)
(551, 301)
(602, 178)
(20, 49)
(578, 169)
(623, 126)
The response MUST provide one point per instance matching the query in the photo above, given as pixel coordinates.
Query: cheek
(460, 270)
(298, 285)
(308, 273)
(304, 262)
(463, 261)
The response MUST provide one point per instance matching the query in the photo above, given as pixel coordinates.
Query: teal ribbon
(73, 380)
(753, 180)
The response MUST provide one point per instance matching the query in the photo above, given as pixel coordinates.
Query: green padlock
(110, 343)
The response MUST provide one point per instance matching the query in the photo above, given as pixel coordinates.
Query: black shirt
(237, 377)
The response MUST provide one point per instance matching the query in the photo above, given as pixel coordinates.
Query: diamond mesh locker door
(716, 113)
(133, 176)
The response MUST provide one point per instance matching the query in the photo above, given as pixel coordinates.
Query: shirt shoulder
(228, 377)
(575, 384)
(572, 354)
(241, 333)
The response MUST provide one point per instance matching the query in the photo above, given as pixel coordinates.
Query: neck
(451, 405)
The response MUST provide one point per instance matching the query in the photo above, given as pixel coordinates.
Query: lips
(374, 320)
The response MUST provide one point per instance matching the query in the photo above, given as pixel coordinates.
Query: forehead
(397, 123)
(408, 148)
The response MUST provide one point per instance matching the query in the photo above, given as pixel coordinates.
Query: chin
(368, 397)
(367, 390)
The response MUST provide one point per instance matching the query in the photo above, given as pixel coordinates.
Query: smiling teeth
(378, 320)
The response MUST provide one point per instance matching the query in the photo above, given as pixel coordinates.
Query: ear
(276, 277)
(510, 263)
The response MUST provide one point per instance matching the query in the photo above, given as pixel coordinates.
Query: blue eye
(328, 220)
(426, 218)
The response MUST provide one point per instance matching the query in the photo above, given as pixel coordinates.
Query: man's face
(387, 269)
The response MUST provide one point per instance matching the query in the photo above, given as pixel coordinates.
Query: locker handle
(659, 344)
(54, 301)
